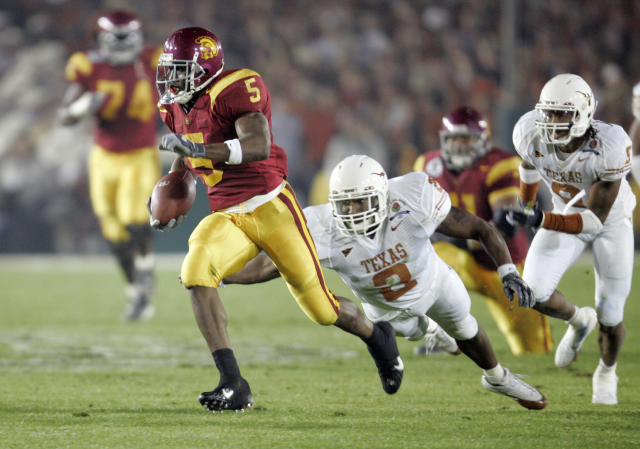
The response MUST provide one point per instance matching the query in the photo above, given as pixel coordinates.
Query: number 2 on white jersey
(401, 272)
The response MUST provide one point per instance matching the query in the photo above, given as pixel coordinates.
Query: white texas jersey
(607, 156)
(396, 268)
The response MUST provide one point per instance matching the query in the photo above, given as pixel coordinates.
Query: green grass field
(73, 376)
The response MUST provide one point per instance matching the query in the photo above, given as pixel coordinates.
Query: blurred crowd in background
(346, 77)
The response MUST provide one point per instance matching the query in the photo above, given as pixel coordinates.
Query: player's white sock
(432, 326)
(578, 319)
(604, 369)
(144, 263)
(495, 375)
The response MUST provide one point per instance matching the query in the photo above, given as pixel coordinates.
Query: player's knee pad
(611, 297)
(197, 269)
(464, 329)
(610, 313)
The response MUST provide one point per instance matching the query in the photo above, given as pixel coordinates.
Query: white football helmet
(566, 108)
(359, 193)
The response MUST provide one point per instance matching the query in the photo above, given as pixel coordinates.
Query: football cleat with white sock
(517, 389)
(139, 307)
(574, 337)
(605, 385)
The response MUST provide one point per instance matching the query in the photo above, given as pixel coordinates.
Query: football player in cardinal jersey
(483, 180)
(221, 124)
(584, 162)
(114, 84)
(375, 234)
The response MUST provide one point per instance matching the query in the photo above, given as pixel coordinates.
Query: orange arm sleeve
(571, 224)
(528, 193)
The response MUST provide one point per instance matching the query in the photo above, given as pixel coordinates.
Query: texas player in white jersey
(635, 134)
(375, 235)
(584, 162)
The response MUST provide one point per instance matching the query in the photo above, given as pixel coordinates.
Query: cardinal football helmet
(192, 58)
(464, 137)
(120, 37)
(358, 193)
(566, 107)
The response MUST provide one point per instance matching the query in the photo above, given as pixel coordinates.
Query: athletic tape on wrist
(235, 151)
(529, 175)
(506, 269)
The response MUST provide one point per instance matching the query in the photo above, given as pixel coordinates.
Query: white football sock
(495, 375)
(578, 318)
(432, 326)
(604, 369)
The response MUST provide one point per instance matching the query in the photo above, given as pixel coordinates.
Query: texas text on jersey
(605, 155)
(396, 276)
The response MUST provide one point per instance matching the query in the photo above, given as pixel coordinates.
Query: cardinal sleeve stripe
(288, 198)
(229, 79)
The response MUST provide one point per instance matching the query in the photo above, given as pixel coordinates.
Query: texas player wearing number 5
(221, 130)
(114, 84)
(375, 234)
(584, 162)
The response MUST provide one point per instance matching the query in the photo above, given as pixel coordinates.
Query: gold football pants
(526, 330)
(119, 185)
(224, 242)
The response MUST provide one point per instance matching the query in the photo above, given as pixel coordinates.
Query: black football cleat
(387, 358)
(232, 396)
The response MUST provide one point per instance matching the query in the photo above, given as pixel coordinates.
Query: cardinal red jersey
(232, 94)
(491, 177)
(127, 119)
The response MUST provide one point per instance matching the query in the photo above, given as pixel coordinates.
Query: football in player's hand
(173, 195)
